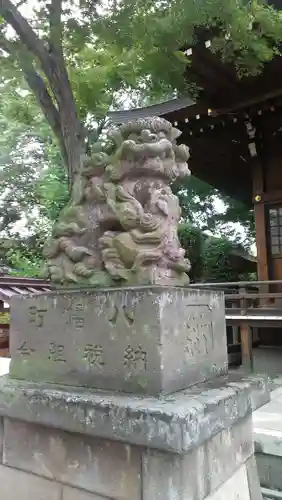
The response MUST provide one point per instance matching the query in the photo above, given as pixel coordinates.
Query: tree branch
(53, 65)
(38, 88)
(20, 3)
(46, 104)
(55, 39)
(5, 44)
(27, 36)
(35, 45)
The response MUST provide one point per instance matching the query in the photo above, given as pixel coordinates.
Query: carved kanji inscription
(25, 349)
(135, 358)
(36, 315)
(123, 311)
(94, 355)
(56, 352)
(200, 337)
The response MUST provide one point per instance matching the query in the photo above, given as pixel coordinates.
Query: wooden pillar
(260, 220)
(246, 347)
(4, 331)
(261, 241)
(246, 336)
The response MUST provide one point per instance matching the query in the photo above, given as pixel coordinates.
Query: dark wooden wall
(267, 183)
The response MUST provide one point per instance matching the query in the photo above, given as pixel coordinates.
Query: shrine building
(234, 132)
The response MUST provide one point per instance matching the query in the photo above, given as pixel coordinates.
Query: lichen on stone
(120, 226)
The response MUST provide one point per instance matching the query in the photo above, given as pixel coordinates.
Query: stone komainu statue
(121, 224)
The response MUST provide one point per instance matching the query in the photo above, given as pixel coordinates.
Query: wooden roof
(221, 87)
(10, 286)
(218, 139)
(222, 90)
(219, 142)
(217, 145)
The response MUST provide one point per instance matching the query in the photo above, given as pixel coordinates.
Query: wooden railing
(250, 304)
(248, 295)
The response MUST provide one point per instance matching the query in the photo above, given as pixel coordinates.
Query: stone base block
(195, 445)
(17, 484)
(270, 471)
(239, 486)
(152, 340)
(48, 463)
(267, 423)
(175, 423)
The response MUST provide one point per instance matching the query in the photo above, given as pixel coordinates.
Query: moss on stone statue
(122, 217)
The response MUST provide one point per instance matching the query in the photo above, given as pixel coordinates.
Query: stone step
(267, 426)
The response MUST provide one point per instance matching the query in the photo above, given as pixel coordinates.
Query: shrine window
(275, 224)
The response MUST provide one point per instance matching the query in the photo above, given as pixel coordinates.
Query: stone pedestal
(144, 339)
(196, 444)
(158, 417)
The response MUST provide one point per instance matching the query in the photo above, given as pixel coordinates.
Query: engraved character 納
(135, 358)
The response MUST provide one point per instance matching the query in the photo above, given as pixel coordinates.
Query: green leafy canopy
(63, 64)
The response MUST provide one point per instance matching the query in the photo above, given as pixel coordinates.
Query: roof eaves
(164, 108)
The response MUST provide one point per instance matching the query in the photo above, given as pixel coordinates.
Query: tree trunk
(58, 105)
(71, 126)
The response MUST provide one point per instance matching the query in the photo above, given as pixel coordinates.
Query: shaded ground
(268, 360)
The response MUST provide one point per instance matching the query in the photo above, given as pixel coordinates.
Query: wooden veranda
(250, 308)
(234, 133)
